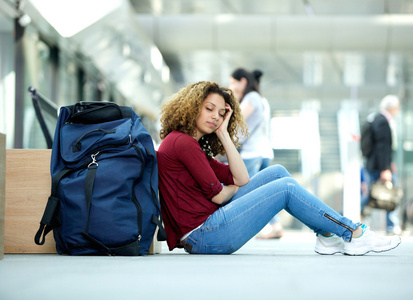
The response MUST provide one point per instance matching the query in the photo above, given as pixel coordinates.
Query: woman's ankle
(358, 232)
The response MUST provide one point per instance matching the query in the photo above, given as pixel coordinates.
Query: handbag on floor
(104, 197)
(384, 195)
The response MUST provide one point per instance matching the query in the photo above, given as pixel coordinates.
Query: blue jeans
(253, 206)
(265, 163)
(253, 165)
(392, 217)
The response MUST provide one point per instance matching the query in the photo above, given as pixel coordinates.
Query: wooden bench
(28, 184)
(2, 189)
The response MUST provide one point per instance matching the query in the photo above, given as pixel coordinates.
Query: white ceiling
(317, 49)
(327, 50)
(275, 7)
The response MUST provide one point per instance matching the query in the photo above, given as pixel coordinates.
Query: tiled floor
(272, 269)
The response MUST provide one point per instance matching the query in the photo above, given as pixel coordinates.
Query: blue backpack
(104, 197)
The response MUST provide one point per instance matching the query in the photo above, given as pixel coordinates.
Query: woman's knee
(280, 170)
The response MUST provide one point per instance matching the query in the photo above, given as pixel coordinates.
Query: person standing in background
(274, 229)
(267, 151)
(246, 91)
(380, 163)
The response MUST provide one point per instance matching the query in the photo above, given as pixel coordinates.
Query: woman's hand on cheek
(224, 125)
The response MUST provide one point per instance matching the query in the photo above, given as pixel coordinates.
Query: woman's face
(238, 87)
(211, 115)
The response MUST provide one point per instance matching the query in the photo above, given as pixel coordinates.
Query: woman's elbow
(217, 199)
(242, 181)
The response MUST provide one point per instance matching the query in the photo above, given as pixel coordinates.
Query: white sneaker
(328, 245)
(370, 241)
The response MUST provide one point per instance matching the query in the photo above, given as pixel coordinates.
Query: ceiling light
(69, 17)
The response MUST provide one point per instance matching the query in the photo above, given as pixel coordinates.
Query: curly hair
(181, 111)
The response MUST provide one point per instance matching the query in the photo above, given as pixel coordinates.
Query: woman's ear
(244, 82)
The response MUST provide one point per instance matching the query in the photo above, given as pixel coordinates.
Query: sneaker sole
(371, 250)
(327, 253)
(323, 249)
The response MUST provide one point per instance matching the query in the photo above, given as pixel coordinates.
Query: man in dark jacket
(379, 163)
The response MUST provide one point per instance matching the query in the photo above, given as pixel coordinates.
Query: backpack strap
(158, 221)
(89, 184)
(50, 218)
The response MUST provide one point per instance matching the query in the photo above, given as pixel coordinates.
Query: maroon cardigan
(188, 180)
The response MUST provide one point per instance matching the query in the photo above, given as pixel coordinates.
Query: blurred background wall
(326, 64)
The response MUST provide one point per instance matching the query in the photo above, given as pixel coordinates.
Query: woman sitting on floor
(213, 208)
